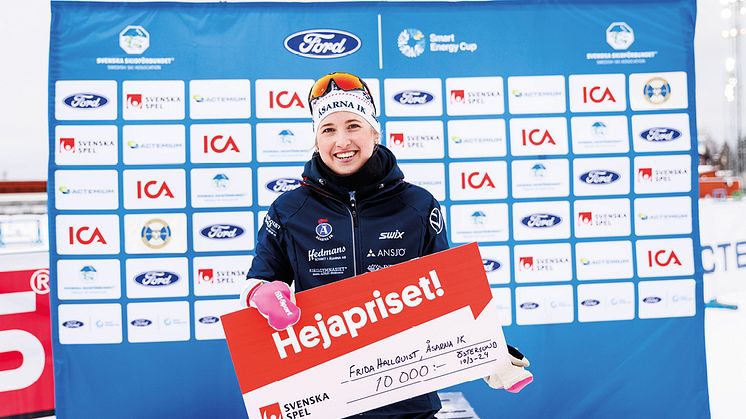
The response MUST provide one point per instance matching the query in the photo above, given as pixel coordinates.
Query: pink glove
(276, 302)
(513, 377)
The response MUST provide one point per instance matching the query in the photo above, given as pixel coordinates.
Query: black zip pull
(353, 206)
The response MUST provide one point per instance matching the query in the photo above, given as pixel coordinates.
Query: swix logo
(219, 144)
(537, 137)
(205, 276)
(596, 95)
(457, 96)
(476, 180)
(134, 100)
(585, 217)
(150, 189)
(645, 174)
(662, 258)
(83, 235)
(526, 263)
(396, 138)
(285, 100)
(271, 412)
(67, 145)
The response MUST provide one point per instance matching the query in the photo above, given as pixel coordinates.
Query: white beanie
(355, 101)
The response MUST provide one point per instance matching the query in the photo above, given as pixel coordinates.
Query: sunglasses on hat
(344, 81)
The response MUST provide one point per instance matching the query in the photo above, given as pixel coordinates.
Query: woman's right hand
(276, 302)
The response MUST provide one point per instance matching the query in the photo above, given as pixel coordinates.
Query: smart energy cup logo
(87, 234)
(415, 140)
(274, 181)
(599, 134)
(549, 304)
(220, 143)
(620, 35)
(540, 178)
(602, 217)
(541, 220)
(153, 99)
(538, 136)
(603, 260)
(481, 222)
(665, 257)
(134, 39)
(487, 180)
(85, 100)
(88, 279)
(661, 174)
(219, 99)
(662, 132)
(659, 216)
(84, 145)
(157, 277)
(282, 98)
(430, 176)
(597, 93)
(226, 187)
(601, 176)
(85, 324)
(207, 324)
(145, 189)
(155, 233)
(412, 43)
(322, 43)
(671, 298)
(606, 302)
(475, 96)
(413, 97)
(86, 189)
(496, 261)
(284, 142)
(158, 322)
(220, 275)
(536, 94)
(477, 138)
(542, 262)
(153, 144)
(218, 231)
(652, 91)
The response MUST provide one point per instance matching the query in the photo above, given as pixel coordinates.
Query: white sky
(24, 29)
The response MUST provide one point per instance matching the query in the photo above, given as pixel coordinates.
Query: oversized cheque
(371, 340)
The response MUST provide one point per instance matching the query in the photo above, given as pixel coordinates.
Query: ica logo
(537, 137)
(284, 100)
(150, 189)
(83, 235)
(662, 258)
(476, 180)
(218, 144)
(596, 95)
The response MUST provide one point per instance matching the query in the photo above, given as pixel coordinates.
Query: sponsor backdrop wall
(559, 136)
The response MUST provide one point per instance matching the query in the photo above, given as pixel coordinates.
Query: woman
(353, 203)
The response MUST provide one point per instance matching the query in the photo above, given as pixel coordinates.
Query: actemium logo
(620, 35)
(134, 39)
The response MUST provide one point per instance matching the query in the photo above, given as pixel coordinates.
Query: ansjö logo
(156, 278)
(651, 300)
(322, 43)
(85, 101)
(541, 220)
(529, 306)
(222, 231)
(73, 324)
(141, 322)
(209, 320)
(599, 177)
(283, 185)
(590, 303)
(658, 135)
(491, 265)
(413, 97)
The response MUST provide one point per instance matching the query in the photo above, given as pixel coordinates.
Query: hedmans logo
(322, 43)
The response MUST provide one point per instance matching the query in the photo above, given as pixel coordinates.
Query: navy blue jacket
(321, 233)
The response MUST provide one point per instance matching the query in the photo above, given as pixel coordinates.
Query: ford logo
(283, 185)
(541, 220)
(529, 306)
(413, 97)
(156, 278)
(141, 322)
(209, 320)
(221, 231)
(660, 134)
(490, 265)
(322, 43)
(651, 300)
(590, 303)
(73, 324)
(597, 177)
(85, 101)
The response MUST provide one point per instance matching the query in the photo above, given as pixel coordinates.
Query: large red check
(371, 340)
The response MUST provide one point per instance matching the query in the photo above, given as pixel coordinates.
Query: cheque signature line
(385, 391)
(462, 369)
(414, 362)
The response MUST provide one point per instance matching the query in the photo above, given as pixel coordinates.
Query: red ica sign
(26, 376)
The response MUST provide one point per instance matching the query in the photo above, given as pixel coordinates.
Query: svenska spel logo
(134, 39)
(271, 412)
